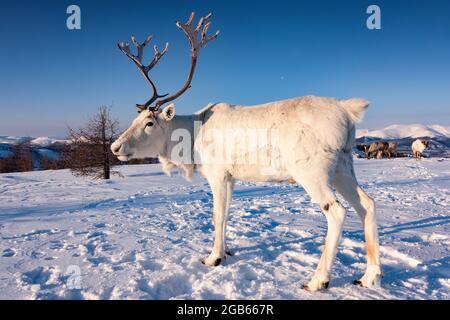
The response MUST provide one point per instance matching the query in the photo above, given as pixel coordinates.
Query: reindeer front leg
(230, 187)
(219, 191)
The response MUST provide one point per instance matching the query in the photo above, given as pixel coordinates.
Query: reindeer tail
(355, 108)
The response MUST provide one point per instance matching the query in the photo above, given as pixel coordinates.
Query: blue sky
(51, 77)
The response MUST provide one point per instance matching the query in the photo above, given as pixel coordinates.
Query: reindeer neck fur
(165, 158)
(185, 123)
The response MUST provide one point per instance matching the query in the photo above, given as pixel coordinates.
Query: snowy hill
(143, 236)
(42, 147)
(40, 142)
(399, 131)
(46, 141)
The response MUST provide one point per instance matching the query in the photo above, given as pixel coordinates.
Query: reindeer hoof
(324, 285)
(358, 283)
(214, 263)
(227, 252)
(371, 279)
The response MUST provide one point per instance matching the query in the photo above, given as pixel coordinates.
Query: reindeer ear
(168, 112)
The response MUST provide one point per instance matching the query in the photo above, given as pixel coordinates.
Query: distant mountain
(41, 141)
(41, 148)
(399, 131)
(47, 142)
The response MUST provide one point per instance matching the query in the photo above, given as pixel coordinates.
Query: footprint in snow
(8, 253)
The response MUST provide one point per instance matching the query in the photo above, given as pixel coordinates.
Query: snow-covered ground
(143, 236)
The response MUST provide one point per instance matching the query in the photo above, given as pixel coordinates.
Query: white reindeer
(418, 147)
(311, 143)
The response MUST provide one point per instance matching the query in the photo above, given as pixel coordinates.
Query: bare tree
(51, 164)
(20, 161)
(23, 156)
(7, 165)
(89, 153)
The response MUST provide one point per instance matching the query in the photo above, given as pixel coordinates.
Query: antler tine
(206, 39)
(140, 47)
(135, 42)
(149, 38)
(191, 19)
(124, 47)
(192, 35)
(144, 69)
(202, 21)
(158, 55)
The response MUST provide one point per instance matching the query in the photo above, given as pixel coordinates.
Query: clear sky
(51, 77)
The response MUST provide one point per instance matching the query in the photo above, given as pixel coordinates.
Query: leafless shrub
(89, 153)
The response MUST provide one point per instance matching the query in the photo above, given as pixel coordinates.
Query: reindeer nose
(116, 148)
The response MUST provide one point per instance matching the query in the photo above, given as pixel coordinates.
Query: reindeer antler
(192, 33)
(144, 69)
(195, 43)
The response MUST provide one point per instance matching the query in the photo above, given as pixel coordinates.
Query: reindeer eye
(149, 124)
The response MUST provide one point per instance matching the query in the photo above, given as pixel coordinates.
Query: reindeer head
(146, 137)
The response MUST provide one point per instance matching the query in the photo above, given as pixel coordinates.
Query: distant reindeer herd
(385, 149)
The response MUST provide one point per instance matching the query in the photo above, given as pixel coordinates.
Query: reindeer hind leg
(316, 185)
(347, 185)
